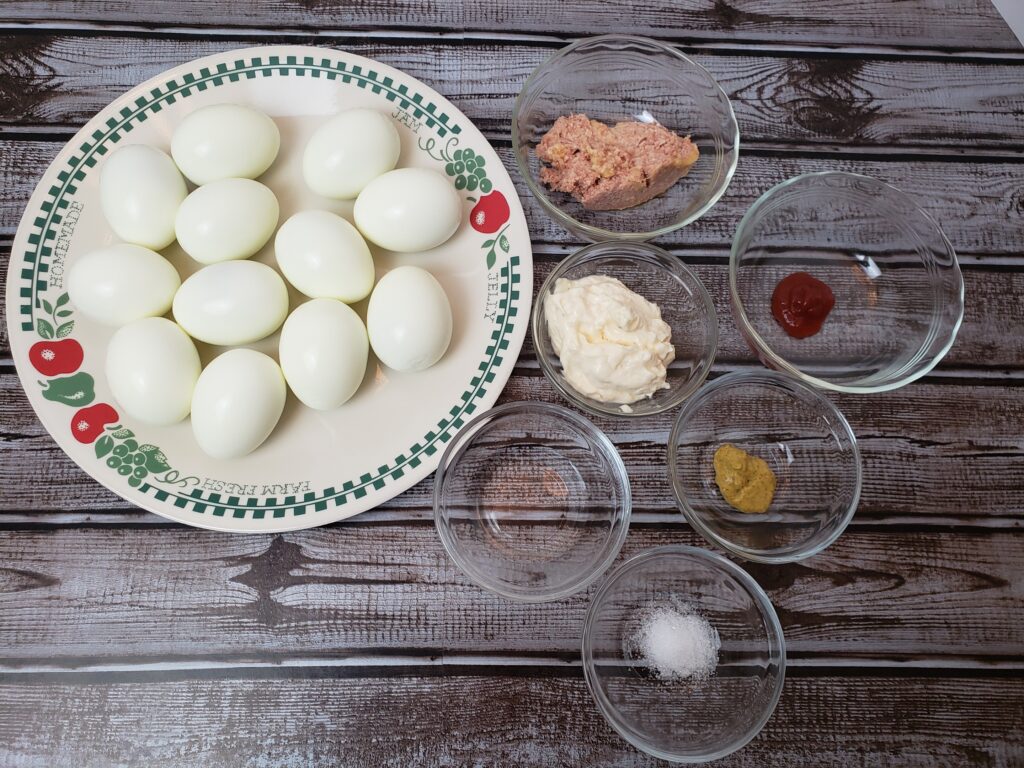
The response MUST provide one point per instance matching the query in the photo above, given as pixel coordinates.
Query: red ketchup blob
(801, 303)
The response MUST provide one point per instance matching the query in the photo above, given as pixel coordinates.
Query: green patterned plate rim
(60, 374)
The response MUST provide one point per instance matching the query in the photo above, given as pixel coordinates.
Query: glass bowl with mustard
(764, 466)
(624, 329)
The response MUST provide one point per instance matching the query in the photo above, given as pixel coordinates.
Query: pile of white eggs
(153, 368)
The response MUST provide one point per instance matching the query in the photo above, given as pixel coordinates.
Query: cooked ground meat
(608, 169)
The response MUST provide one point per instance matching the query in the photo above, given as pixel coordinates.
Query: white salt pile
(675, 643)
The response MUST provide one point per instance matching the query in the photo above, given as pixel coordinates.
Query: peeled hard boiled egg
(225, 141)
(324, 256)
(409, 319)
(121, 283)
(323, 353)
(140, 191)
(237, 403)
(411, 209)
(152, 368)
(349, 151)
(237, 302)
(225, 220)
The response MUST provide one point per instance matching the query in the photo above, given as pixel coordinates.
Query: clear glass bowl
(659, 277)
(899, 294)
(616, 78)
(531, 501)
(685, 721)
(806, 442)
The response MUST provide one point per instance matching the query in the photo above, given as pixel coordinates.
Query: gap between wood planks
(976, 153)
(401, 664)
(951, 375)
(724, 44)
(22, 520)
(717, 255)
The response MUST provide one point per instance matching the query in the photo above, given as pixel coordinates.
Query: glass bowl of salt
(684, 654)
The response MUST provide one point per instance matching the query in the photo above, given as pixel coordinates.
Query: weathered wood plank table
(127, 640)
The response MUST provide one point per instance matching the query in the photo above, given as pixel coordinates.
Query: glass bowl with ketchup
(843, 281)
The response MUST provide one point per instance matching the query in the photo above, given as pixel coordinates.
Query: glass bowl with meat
(624, 138)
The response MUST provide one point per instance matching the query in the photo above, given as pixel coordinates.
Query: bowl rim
(599, 233)
(776, 361)
(617, 532)
(695, 520)
(660, 258)
(768, 615)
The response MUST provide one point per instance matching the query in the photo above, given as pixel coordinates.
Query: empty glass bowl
(899, 294)
(661, 278)
(616, 78)
(686, 720)
(806, 442)
(531, 501)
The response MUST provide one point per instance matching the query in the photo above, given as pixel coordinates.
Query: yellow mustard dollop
(746, 481)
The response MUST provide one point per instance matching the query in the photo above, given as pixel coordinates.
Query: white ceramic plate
(317, 467)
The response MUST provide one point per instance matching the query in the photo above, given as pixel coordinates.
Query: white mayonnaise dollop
(613, 344)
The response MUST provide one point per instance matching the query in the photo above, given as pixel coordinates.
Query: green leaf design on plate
(487, 243)
(104, 446)
(503, 242)
(63, 313)
(65, 329)
(64, 298)
(44, 328)
(491, 258)
(123, 433)
(47, 307)
(156, 461)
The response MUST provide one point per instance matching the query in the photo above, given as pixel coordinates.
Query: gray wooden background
(128, 640)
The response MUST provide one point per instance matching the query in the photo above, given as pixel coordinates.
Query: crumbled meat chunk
(611, 168)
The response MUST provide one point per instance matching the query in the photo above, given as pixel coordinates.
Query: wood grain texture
(919, 23)
(915, 443)
(497, 720)
(979, 204)
(67, 596)
(49, 82)
(141, 643)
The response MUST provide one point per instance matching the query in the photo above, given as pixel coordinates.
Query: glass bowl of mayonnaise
(624, 329)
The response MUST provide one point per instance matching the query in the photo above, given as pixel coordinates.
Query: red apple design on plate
(52, 358)
(490, 212)
(88, 423)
